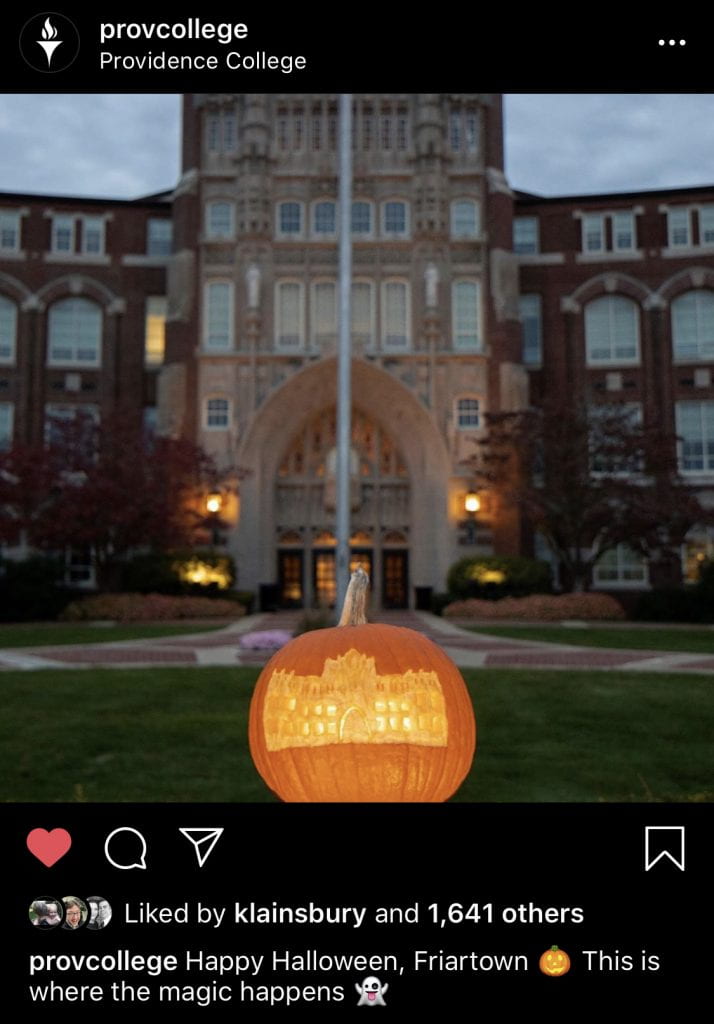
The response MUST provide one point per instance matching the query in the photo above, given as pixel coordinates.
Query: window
(324, 219)
(706, 225)
(611, 330)
(155, 330)
(465, 310)
(394, 219)
(158, 237)
(463, 129)
(531, 319)
(593, 233)
(362, 312)
(678, 226)
(79, 567)
(693, 325)
(217, 414)
(698, 548)
(289, 219)
(58, 414)
(525, 235)
(93, 235)
(616, 440)
(324, 313)
(62, 234)
(620, 567)
(9, 231)
(8, 330)
(150, 421)
(74, 333)
(221, 132)
(289, 316)
(623, 232)
(395, 315)
(362, 219)
(218, 315)
(468, 413)
(7, 415)
(464, 219)
(219, 220)
(695, 429)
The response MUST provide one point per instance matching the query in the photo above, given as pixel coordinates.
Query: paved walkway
(466, 648)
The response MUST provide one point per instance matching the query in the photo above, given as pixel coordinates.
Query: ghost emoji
(371, 992)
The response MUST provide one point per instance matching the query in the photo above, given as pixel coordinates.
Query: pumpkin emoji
(362, 713)
(554, 962)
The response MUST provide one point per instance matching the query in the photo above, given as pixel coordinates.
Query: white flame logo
(48, 30)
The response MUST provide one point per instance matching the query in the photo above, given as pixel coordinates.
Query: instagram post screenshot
(356, 514)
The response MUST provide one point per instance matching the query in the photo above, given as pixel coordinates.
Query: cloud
(118, 146)
(573, 144)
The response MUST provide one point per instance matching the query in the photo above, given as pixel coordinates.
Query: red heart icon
(49, 847)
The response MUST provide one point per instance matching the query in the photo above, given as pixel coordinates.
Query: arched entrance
(413, 547)
(305, 513)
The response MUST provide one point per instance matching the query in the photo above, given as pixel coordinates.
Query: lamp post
(214, 504)
(472, 505)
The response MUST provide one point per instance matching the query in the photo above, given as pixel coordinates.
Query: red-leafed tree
(109, 488)
(588, 479)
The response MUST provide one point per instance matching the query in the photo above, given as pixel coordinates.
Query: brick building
(617, 303)
(467, 298)
(82, 314)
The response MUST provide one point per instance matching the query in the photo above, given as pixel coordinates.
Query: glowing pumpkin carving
(362, 712)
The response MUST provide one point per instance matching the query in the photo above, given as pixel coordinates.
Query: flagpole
(344, 354)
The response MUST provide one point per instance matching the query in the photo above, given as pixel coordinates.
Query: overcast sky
(128, 145)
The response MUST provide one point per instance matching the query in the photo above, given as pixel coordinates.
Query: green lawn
(695, 641)
(179, 734)
(32, 634)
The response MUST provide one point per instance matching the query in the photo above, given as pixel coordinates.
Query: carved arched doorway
(305, 513)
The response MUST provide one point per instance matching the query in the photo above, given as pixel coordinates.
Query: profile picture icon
(45, 913)
(76, 913)
(100, 913)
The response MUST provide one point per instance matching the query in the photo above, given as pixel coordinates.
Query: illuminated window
(155, 330)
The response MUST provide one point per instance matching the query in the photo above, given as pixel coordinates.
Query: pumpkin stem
(354, 610)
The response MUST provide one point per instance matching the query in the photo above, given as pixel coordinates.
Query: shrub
(498, 576)
(675, 604)
(539, 608)
(201, 572)
(149, 608)
(32, 589)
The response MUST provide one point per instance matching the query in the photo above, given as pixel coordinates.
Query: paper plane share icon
(203, 839)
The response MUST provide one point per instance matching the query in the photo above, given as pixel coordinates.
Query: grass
(179, 734)
(694, 641)
(55, 633)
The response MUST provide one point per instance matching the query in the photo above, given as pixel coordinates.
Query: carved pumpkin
(554, 962)
(362, 712)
